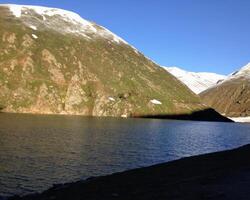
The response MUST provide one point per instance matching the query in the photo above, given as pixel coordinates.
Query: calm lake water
(39, 151)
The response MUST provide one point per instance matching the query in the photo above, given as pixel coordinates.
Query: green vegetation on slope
(69, 74)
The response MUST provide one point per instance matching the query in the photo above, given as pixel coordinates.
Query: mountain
(54, 62)
(196, 81)
(232, 96)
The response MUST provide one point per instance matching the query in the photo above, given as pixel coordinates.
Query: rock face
(196, 81)
(232, 96)
(53, 61)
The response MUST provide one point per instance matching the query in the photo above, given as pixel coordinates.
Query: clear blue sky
(197, 35)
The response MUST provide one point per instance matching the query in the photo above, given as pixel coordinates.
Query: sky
(196, 35)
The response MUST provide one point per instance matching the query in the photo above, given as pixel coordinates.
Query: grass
(109, 69)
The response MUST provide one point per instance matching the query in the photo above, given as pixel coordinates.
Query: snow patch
(107, 33)
(244, 72)
(241, 119)
(34, 36)
(155, 101)
(245, 68)
(111, 99)
(33, 27)
(75, 23)
(15, 9)
(81, 24)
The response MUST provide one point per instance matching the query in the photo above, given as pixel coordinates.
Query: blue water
(39, 151)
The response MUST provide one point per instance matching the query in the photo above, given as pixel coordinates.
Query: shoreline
(208, 115)
(240, 119)
(209, 176)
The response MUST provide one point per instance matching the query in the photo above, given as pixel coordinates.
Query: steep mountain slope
(232, 96)
(53, 61)
(197, 82)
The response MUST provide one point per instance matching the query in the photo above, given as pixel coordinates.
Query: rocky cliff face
(53, 61)
(232, 96)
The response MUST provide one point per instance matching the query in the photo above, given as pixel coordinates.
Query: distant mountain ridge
(54, 62)
(231, 96)
(196, 81)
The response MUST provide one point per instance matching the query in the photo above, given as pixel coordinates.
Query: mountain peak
(62, 21)
(55, 62)
(196, 81)
(244, 73)
(231, 96)
(246, 68)
(22, 10)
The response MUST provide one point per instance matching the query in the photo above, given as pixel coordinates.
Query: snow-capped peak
(245, 69)
(18, 10)
(15, 9)
(78, 25)
(196, 81)
(244, 73)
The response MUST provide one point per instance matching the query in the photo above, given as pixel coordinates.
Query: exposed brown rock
(230, 98)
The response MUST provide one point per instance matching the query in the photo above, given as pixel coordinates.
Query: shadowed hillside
(232, 96)
(201, 115)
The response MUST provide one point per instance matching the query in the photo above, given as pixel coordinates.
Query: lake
(37, 151)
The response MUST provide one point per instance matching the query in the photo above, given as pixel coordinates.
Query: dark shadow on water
(202, 115)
